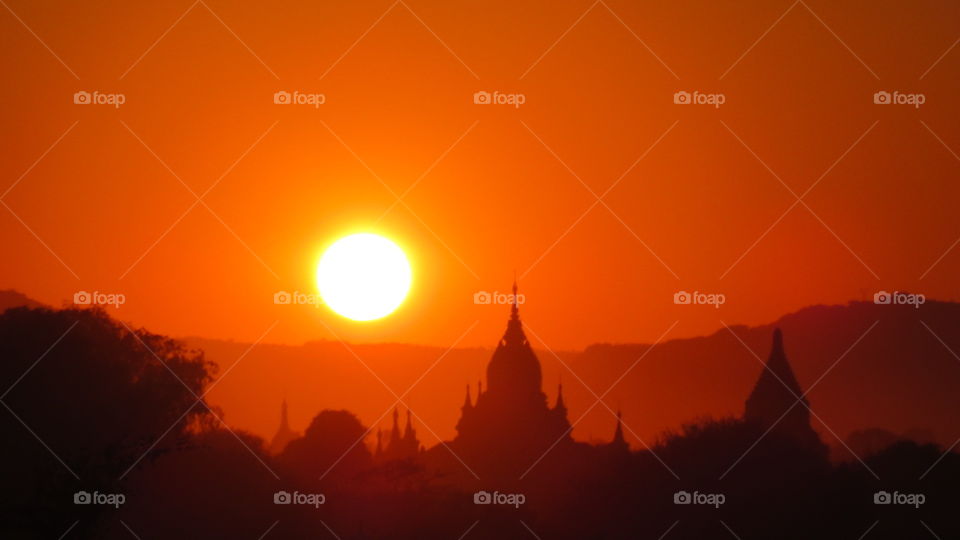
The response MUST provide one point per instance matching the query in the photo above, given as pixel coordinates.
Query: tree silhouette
(120, 408)
(214, 484)
(82, 388)
(331, 447)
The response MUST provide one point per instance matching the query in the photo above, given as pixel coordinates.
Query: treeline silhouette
(91, 405)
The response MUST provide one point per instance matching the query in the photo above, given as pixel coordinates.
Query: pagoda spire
(619, 444)
(779, 365)
(618, 433)
(515, 308)
(284, 434)
(777, 389)
(777, 400)
(514, 334)
(560, 405)
(409, 433)
(395, 432)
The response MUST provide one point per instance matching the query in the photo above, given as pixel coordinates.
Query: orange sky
(109, 206)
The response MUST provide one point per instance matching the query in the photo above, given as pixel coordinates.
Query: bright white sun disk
(364, 276)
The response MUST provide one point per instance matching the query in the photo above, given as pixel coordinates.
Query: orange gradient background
(497, 200)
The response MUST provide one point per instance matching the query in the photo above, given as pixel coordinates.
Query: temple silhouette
(509, 426)
(399, 446)
(778, 404)
(284, 434)
(510, 418)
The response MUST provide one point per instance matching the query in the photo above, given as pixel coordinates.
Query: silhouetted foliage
(119, 407)
(331, 448)
(217, 485)
(82, 388)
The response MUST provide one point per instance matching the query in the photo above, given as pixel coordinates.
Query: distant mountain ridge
(863, 365)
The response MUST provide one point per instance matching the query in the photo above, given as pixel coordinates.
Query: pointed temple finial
(777, 340)
(409, 433)
(515, 308)
(395, 431)
(514, 335)
(773, 402)
(618, 434)
(777, 362)
(284, 434)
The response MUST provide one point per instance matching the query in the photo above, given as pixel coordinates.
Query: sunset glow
(364, 277)
(480, 270)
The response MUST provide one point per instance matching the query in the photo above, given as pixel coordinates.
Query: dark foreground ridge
(107, 432)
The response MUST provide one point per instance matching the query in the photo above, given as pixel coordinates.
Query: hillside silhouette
(899, 360)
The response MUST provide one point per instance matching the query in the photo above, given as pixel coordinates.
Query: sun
(364, 276)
